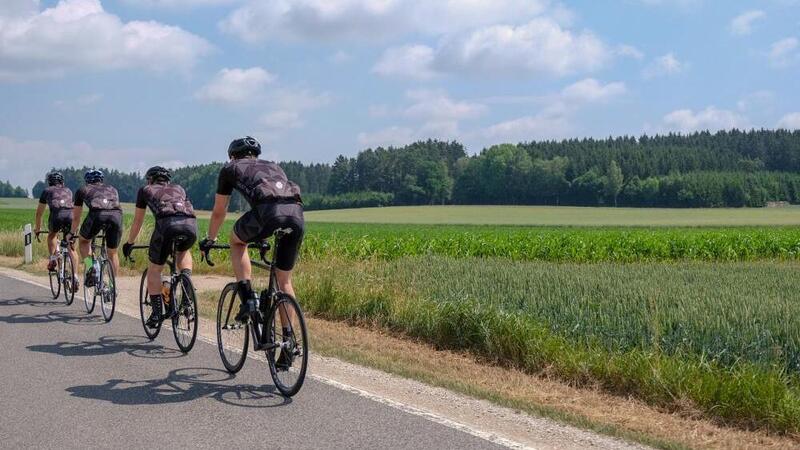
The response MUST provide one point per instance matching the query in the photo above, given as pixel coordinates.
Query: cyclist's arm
(39, 213)
(218, 215)
(136, 226)
(76, 218)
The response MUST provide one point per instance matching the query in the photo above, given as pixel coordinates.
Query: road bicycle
(277, 326)
(179, 305)
(104, 285)
(64, 275)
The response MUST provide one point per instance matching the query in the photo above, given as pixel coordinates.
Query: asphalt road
(67, 379)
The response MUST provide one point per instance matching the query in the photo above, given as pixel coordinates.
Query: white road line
(408, 409)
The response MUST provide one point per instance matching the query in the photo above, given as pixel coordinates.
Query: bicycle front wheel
(287, 345)
(55, 282)
(69, 279)
(107, 290)
(145, 308)
(89, 296)
(184, 320)
(232, 337)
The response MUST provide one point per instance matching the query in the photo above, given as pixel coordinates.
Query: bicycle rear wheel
(232, 337)
(69, 279)
(145, 308)
(55, 282)
(107, 290)
(184, 322)
(287, 345)
(89, 296)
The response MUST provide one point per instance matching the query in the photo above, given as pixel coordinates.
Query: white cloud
(663, 66)
(282, 120)
(266, 20)
(544, 125)
(761, 100)
(178, 4)
(391, 136)
(711, 118)
(555, 119)
(436, 105)
(743, 23)
(630, 51)
(433, 113)
(288, 107)
(539, 47)
(341, 57)
(41, 156)
(79, 34)
(82, 101)
(410, 61)
(785, 52)
(790, 121)
(235, 86)
(591, 90)
(11, 8)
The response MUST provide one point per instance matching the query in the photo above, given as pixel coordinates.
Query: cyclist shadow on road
(69, 318)
(183, 385)
(109, 345)
(24, 301)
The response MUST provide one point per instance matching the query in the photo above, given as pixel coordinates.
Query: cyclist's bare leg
(183, 260)
(52, 242)
(85, 247)
(240, 259)
(113, 255)
(154, 278)
(284, 279)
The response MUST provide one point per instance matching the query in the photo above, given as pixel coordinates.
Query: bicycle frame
(173, 270)
(268, 295)
(64, 247)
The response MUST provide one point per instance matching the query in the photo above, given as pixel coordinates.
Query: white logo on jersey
(279, 185)
(105, 201)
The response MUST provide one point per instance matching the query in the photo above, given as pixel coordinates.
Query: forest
(724, 169)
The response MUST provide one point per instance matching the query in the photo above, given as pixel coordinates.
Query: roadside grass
(619, 349)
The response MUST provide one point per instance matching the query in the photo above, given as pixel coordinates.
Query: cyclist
(58, 198)
(174, 218)
(274, 203)
(104, 211)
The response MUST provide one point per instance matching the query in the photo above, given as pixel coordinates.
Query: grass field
(688, 318)
(562, 215)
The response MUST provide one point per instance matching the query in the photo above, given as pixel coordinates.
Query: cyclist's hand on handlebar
(206, 244)
(127, 248)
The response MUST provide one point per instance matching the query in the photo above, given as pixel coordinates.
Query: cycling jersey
(98, 197)
(258, 181)
(164, 200)
(56, 197)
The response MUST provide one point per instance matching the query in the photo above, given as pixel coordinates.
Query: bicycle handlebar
(263, 247)
(136, 247)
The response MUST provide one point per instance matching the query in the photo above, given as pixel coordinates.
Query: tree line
(723, 169)
(9, 190)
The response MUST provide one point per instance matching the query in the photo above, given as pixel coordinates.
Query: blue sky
(132, 83)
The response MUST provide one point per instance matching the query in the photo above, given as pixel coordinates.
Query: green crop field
(704, 316)
(562, 215)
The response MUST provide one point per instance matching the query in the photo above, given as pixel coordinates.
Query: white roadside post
(27, 235)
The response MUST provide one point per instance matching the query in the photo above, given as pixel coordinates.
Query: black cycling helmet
(93, 176)
(55, 178)
(242, 147)
(156, 173)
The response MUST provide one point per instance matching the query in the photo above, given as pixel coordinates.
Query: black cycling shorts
(60, 220)
(261, 222)
(97, 220)
(179, 230)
